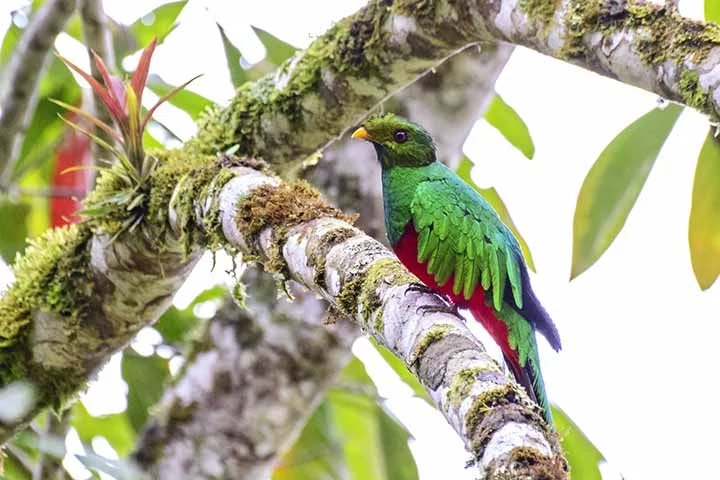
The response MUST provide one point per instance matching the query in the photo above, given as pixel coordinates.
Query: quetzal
(448, 236)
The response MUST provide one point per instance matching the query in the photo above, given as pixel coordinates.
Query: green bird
(448, 236)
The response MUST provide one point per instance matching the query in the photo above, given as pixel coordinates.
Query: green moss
(363, 287)
(347, 47)
(239, 294)
(542, 11)
(461, 385)
(661, 34)
(436, 333)
(379, 322)
(51, 276)
(692, 92)
(282, 207)
(318, 254)
(526, 462)
(59, 385)
(500, 395)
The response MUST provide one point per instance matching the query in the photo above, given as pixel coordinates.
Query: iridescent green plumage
(452, 239)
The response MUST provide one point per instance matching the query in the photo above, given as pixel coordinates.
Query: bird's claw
(420, 288)
(451, 308)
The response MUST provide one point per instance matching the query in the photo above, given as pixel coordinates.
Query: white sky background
(638, 369)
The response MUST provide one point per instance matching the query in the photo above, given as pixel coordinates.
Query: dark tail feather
(533, 384)
(534, 312)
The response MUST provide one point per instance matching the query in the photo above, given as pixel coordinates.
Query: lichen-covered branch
(294, 233)
(366, 57)
(194, 408)
(277, 356)
(79, 298)
(18, 93)
(96, 35)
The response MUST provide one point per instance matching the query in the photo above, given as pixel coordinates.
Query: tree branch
(79, 298)
(19, 92)
(366, 57)
(277, 357)
(292, 231)
(193, 408)
(97, 39)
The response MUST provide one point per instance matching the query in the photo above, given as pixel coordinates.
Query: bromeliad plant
(133, 167)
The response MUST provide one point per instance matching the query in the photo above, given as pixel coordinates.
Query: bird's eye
(400, 136)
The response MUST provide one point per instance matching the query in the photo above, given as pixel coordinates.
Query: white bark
(249, 388)
(361, 278)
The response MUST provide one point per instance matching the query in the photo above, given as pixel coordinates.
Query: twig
(97, 39)
(48, 466)
(19, 95)
(21, 458)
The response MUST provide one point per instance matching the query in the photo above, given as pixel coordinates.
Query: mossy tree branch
(18, 93)
(364, 58)
(195, 408)
(277, 356)
(291, 231)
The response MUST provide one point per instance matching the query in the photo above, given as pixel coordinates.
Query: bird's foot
(420, 288)
(450, 308)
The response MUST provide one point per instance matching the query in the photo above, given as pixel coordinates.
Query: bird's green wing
(459, 233)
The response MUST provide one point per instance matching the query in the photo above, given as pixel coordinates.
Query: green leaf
(403, 372)
(375, 445)
(704, 229)
(12, 240)
(316, 454)
(145, 377)
(190, 102)
(503, 117)
(115, 428)
(277, 50)
(233, 56)
(712, 11)
(493, 198)
(157, 23)
(584, 458)
(351, 436)
(176, 325)
(614, 182)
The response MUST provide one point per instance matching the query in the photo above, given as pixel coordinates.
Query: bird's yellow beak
(361, 133)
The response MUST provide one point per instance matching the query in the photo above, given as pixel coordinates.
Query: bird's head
(397, 141)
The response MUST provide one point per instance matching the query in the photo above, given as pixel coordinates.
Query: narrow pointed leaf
(95, 138)
(100, 90)
(704, 230)
(614, 182)
(190, 102)
(95, 121)
(164, 99)
(493, 198)
(139, 76)
(584, 458)
(504, 118)
(106, 76)
(712, 11)
(233, 56)
(277, 50)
